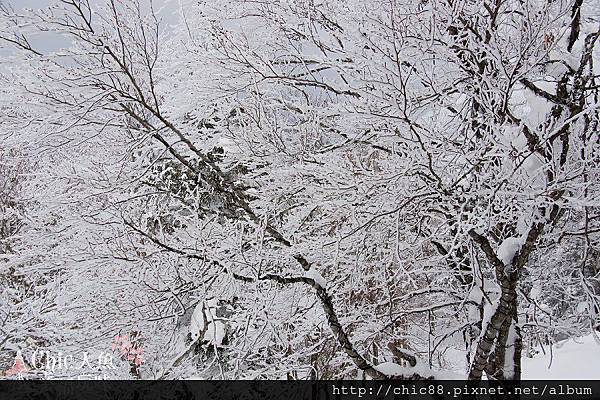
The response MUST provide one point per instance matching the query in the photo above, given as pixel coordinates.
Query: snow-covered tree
(295, 189)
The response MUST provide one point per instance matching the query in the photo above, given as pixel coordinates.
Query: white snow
(530, 107)
(316, 276)
(571, 359)
(215, 333)
(212, 303)
(476, 295)
(508, 249)
(535, 292)
(197, 323)
(509, 369)
(392, 369)
(206, 323)
(488, 312)
(583, 307)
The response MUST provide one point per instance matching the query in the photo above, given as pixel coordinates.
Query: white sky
(52, 41)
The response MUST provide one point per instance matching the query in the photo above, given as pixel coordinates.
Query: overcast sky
(51, 41)
(26, 3)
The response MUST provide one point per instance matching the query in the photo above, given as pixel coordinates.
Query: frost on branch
(208, 325)
(195, 175)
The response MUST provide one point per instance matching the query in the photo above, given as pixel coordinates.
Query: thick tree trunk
(505, 361)
(486, 343)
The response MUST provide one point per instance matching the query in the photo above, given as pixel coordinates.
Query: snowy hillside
(577, 358)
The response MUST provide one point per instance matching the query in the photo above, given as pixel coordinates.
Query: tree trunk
(505, 361)
(503, 316)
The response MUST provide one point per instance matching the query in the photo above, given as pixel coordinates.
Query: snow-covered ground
(572, 359)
